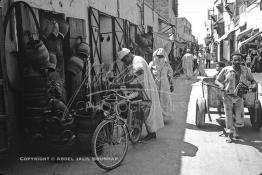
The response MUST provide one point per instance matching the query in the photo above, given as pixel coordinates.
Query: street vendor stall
(249, 40)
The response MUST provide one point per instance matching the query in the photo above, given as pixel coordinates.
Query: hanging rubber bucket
(36, 53)
(63, 28)
(75, 65)
(83, 49)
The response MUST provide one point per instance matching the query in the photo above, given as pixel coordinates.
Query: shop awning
(244, 33)
(181, 45)
(227, 34)
(162, 40)
(222, 38)
(249, 39)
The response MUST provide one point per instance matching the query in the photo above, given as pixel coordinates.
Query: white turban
(123, 53)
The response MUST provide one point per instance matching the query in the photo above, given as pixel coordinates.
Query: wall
(151, 18)
(218, 52)
(226, 51)
(107, 6)
(76, 9)
(181, 24)
(107, 43)
(161, 6)
(172, 17)
(253, 16)
(129, 10)
(79, 8)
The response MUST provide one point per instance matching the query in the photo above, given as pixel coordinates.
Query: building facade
(105, 25)
(237, 26)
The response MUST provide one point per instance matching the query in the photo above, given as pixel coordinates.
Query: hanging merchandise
(52, 61)
(46, 28)
(54, 43)
(108, 38)
(36, 54)
(75, 65)
(55, 86)
(57, 106)
(63, 28)
(45, 118)
(76, 68)
(83, 50)
(55, 29)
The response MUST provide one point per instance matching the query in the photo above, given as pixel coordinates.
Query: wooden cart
(212, 97)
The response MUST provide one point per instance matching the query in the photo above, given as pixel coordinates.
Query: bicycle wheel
(134, 126)
(109, 144)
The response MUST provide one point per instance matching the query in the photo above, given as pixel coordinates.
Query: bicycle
(114, 131)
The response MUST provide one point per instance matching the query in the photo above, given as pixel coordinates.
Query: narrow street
(162, 156)
(180, 148)
(58, 57)
(214, 155)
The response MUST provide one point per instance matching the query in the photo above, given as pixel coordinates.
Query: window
(149, 29)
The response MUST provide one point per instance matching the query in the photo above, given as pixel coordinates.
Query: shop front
(46, 72)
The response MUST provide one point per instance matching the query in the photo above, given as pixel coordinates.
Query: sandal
(229, 138)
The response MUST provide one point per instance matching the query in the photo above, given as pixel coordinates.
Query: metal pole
(153, 9)
(212, 24)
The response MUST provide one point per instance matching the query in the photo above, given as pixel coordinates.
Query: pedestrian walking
(230, 79)
(195, 63)
(201, 63)
(187, 64)
(248, 60)
(163, 76)
(141, 71)
(219, 66)
(208, 58)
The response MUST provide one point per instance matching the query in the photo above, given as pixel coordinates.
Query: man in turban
(140, 69)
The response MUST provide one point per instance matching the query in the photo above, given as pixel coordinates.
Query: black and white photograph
(130, 87)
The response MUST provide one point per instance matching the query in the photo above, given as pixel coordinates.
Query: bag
(241, 89)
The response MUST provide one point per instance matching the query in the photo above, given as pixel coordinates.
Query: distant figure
(248, 60)
(195, 64)
(208, 59)
(201, 63)
(219, 66)
(187, 64)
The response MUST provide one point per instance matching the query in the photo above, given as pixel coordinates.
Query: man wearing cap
(187, 64)
(140, 69)
(229, 79)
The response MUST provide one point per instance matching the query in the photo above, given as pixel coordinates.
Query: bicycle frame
(116, 115)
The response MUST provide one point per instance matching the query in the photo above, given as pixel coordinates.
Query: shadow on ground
(250, 137)
(208, 127)
(188, 149)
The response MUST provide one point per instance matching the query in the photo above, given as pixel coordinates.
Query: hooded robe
(163, 75)
(154, 121)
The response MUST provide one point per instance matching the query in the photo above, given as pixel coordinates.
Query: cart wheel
(200, 112)
(256, 115)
